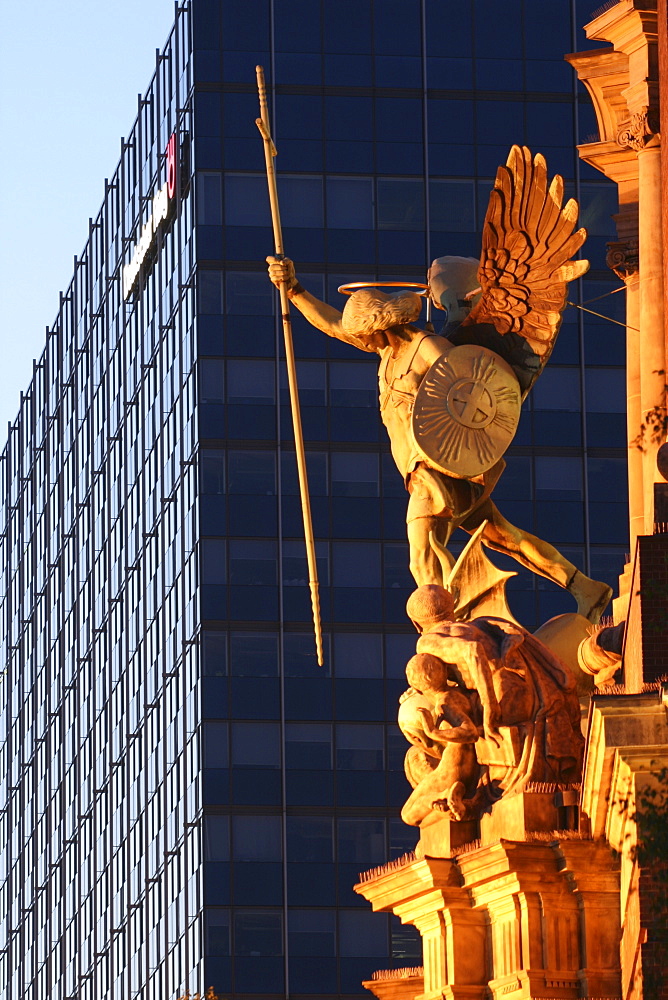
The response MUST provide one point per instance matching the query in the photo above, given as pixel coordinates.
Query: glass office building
(186, 798)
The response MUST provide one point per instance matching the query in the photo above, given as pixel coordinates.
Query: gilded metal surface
(466, 411)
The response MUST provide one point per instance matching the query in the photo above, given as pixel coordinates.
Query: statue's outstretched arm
(319, 314)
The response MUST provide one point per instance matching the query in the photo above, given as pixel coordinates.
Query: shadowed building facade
(186, 799)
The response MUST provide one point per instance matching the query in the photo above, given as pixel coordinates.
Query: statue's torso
(398, 381)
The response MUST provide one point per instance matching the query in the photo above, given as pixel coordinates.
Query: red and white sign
(159, 212)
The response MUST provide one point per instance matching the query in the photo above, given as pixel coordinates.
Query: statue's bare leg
(457, 769)
(429, 564)
(540, 557)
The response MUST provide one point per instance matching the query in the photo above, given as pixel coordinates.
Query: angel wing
(528, 242)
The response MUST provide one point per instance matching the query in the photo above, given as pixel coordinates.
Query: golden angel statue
(451, 402)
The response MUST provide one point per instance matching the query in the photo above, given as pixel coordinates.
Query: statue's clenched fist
(281, 269)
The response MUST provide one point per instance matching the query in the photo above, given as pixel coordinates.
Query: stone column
(633, 411)
(653, 360)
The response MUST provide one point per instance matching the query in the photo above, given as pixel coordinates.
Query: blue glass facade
(186, 798)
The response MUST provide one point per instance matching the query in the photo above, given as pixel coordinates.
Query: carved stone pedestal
(396, 984)
(541, 809)
(538, 919)
(441, 838)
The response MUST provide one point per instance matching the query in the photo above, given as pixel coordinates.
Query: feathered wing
(528, 242)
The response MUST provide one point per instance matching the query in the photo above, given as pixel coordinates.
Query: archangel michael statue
(451, 401)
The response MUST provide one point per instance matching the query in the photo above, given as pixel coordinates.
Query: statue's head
(369, 310)
(429, 605)
(451, 279)
(425, 672)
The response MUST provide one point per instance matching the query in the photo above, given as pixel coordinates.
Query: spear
(269, 153)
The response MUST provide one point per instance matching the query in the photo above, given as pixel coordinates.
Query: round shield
(466, 411)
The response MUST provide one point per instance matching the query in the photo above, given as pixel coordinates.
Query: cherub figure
(441, 765)
(450, 403)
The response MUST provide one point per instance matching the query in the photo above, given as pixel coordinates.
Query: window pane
(252, 472)
(299, 655)
(253, 655)
(310, 838)
(258, 933)
(558, 478)
(214, 744)
(350, 203)
(246, 200)
(312, 382)
(402, 838)
(308, 746)
(213, 560)
(353, 384)
(249, 294)
(209, 199)
(400, 204)
(312, 932)
(356, 564)
(452, 206)
(316, 469)
(217, 838)
(301, 202)
(212, 472)
(361, 840)
(360, 748)
(606, 390)
(358, 655)
(217, 932)
(210, 291)
(295, 567)
(251, 382)
(354, 474)
(557, 389)
(360, 936)
(256, 838)
(598, 205)
(395, 567)
(214, 654)
(252, 564)
(398, 651)
(255, 744)
(608, 478)
(211, 380)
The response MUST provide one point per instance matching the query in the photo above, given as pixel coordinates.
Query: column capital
(640, 129)
(622, 258)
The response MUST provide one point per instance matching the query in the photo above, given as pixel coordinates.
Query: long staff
(269, 153)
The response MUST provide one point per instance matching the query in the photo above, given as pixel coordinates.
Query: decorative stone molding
(622, 258)
(637, 132)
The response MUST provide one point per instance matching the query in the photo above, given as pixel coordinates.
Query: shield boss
(466, 411)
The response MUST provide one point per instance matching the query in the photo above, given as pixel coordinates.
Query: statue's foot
(592, 596)
(454, 803)
(456, 800)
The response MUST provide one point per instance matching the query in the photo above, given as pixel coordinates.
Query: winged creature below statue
(451, 402)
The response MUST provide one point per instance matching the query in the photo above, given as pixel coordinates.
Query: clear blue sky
(70, 72)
